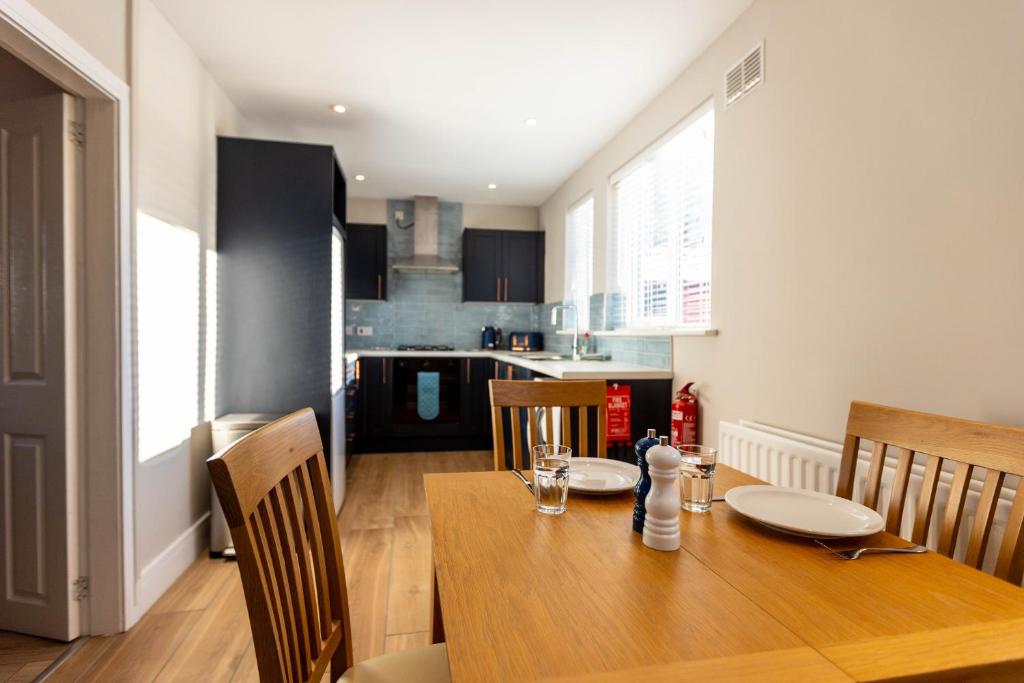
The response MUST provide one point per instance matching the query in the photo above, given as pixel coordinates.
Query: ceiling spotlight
(339, 109)
(492, 186)
(530, 122)
(360, 177)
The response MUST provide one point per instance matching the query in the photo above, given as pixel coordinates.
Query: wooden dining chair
(996, 448)
(575, 398)
(276, 495)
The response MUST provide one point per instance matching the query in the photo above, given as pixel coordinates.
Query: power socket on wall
(364, 331)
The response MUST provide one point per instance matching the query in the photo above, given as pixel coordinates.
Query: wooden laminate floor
(199, 630)
(22, 658)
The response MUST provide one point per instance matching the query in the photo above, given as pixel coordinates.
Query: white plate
(601, 475)
(804, 513)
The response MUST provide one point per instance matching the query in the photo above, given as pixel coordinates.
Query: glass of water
(697, 477)
(551, 477)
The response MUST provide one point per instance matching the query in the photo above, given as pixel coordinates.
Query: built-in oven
(426, 396)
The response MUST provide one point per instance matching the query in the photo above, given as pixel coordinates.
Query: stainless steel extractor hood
(425, 258)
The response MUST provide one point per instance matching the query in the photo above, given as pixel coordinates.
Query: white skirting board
(157, 576)
(786, 458)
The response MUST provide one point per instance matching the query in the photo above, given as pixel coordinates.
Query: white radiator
(786, 458)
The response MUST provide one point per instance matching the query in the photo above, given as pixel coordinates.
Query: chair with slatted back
(996, 448)
(276, 495)
(575, 399)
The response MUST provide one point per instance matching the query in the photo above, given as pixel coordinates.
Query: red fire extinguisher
(684, 417)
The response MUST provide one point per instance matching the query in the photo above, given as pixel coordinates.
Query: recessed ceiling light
(492, 186)
(339, 109)
(530, 122)
(360, 177)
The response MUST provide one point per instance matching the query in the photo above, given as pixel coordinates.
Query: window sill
(648, 332)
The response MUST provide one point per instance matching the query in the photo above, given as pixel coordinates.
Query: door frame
(99, 390)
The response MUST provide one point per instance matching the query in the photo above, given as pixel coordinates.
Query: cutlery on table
(854, 553)
(522, 478)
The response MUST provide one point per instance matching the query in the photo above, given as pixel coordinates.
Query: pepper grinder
(643, 484)
(661, 524)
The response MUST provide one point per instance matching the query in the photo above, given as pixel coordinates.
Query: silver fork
(522, 478)
(855, 553)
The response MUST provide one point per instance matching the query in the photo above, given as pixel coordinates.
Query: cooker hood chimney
(425, 258)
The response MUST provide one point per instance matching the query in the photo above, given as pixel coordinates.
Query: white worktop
(559, 369)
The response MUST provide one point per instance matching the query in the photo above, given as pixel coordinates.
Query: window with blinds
(660, 234)
(579, 260)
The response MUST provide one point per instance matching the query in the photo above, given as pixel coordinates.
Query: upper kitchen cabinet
(502, 265)
(523, 257)
(481, 265)
(366, 261)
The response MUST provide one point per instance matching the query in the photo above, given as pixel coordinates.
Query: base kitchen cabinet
(383, 398)
(386, 395)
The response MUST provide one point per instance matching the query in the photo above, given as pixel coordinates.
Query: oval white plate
(805, 513)
(601, 475)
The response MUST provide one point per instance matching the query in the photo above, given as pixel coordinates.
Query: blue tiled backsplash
(427, 308)
(606, 313)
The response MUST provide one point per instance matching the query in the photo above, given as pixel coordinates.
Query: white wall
(100, 26)
(498, 216)
(868, 235)
(178, 112)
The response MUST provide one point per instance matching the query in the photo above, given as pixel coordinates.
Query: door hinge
(80, 588)
(76, 133)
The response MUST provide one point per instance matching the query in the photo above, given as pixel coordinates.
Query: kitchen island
(382, 387)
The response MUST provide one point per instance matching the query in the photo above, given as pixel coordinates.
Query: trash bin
(226, 430)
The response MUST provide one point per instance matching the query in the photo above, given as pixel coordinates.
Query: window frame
(584, 306)
(612, 236)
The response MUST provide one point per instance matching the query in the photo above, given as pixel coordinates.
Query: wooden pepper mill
(661, 524)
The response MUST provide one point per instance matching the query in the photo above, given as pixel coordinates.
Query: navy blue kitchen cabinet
(502, 265)
(481, 265)
(386, 395)
(278, 205)
(366, 262)
(379, 389)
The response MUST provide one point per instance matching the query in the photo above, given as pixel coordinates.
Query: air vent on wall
(744, 75)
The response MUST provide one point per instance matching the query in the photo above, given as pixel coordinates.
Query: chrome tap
(576, 326)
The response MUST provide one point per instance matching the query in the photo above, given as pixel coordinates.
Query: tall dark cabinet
(366, 262)
(502, 265)
(278, 205)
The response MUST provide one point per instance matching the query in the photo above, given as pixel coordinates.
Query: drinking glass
(696, 476)
(551, 477)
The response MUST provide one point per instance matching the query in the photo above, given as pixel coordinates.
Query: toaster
(526, 341)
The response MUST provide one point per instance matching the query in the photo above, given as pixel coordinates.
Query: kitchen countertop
(559, 369)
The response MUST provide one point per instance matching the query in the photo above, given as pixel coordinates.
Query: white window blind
(661, 228)
(579, 260)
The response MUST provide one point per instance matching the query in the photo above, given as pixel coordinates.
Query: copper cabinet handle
(506, 288)
(469, 371)
(383, 370)
(496, 370)
(497, 289)
(380, 283)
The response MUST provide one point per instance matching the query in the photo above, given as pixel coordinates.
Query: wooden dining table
(521, 596)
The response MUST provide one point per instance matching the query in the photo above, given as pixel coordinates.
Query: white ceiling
(437, 90)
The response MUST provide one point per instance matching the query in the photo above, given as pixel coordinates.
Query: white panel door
(38, 488)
